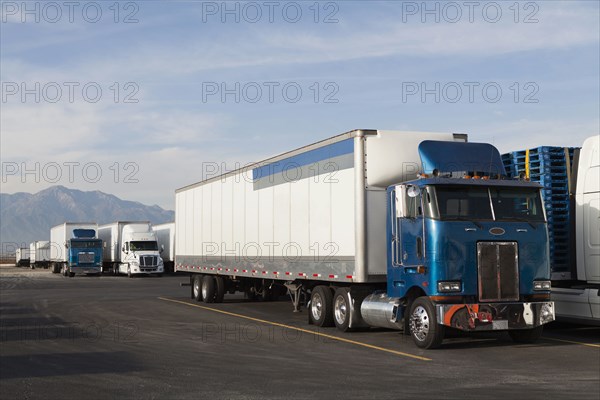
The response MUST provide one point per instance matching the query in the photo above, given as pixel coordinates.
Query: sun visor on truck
(83, 234)
(449, 157)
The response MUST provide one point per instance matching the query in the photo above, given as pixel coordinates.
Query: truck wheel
(526, 335)
(197, 288)
(321, 306)
(424, 329)
(208, 289)
(219, 289)
(341, 309)
(71, 274)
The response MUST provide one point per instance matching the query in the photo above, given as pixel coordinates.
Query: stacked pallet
(551, 167)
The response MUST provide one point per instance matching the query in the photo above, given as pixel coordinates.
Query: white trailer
(75, 249)
(313, 214)
(39, 254)
(165, 235)
(577, 299)
(130, 247)
(22, 257)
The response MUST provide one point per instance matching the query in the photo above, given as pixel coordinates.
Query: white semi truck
(22, 257)
(165, 235)
(406, 230)
(75, 249)
(39, 254)
(577, 298)
(130, 247)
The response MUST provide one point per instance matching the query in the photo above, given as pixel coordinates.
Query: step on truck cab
(130, 247)
(75, 249)
(413, 231)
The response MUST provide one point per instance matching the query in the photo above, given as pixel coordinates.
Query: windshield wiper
(477, 224)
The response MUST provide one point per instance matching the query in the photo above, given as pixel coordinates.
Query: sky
(139, 98)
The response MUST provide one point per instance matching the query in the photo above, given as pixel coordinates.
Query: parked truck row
(124, 247)
(420, 232)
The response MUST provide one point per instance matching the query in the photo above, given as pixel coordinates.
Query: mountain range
(26, 217)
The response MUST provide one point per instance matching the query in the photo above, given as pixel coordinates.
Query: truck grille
(148, 261)
(86, 258)
(498, 269)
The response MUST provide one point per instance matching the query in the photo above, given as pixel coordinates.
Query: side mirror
(401, 209)
(162, 248)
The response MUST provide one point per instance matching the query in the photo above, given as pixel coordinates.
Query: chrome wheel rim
(419, 323)
(316, 306)
(340, 310)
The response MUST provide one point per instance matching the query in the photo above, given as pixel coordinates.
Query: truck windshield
(482, 203)
(86, 244)
(141, 246)
(517, 204)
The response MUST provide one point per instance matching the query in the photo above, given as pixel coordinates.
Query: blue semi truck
(75, 249)
(404, 230)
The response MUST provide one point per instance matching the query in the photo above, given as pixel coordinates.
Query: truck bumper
(85, 270)
(495, 316)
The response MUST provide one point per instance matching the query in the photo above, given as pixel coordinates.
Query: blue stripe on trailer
(306, 158)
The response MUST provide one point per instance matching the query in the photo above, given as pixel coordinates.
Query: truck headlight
(541, 285)
(449, 286)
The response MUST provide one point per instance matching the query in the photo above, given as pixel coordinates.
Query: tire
(71, 274)
(208, 289)
(321, 306)
(115, 269)
(197, 288)
(526, 335)
(424, 329)
(219, 289)
(341, 309)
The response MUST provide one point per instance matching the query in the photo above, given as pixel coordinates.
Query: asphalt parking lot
(114, 337)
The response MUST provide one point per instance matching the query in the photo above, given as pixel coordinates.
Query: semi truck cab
(139, 251)
(471, 245)
(84, 253)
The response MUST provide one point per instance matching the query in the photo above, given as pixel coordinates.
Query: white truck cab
(131, 248)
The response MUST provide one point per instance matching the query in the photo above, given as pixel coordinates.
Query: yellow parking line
(370, 346)
(573, 342)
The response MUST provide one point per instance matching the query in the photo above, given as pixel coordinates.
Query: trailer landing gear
(295, 291)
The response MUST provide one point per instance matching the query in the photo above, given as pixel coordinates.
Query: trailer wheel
(197, 288)
(424, 329)
(321, 306)
(208, 289)
(219, 289)
(341, 309)
(526, 335)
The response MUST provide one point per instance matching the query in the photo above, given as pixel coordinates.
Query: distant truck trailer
(39, 254)
(22, 257)
(75, 249)
(165, 235)
(130, 247)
